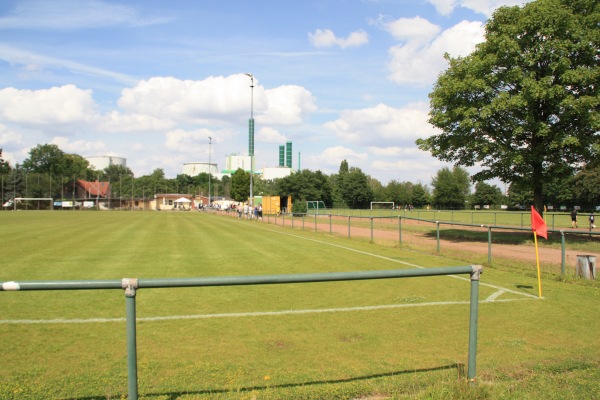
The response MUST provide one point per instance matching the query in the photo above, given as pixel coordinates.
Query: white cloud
(417, 63)
(30, 61)
(326, 38)
(65, 14)
(215, 100)
(333, 156)
(270, 135)
(57, 105)
(81, 147)
(118, 122)
(382, 123)
(195, 142)
(9, 137)
(412, 29)
(485, 7)
(287, 105)
(212, 99)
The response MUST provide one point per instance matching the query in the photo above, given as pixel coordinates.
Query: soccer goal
(315, 207)
(33, 203)
(382, 205)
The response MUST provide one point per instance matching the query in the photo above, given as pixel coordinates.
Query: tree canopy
(524, 105)
(451, 188)
(4, 166)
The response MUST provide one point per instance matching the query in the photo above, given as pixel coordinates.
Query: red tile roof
(94, 188)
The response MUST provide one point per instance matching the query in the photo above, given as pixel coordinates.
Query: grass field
(274, 342)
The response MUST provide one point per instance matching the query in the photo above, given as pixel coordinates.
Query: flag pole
(537, 259)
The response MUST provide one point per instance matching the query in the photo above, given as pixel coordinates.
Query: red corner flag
(538, 225)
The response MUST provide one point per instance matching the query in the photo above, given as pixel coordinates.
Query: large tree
(524, 104)
(353, 187)
(486, 194)
(451, 188)
(305, 186)
(4, 165)
(240, 185)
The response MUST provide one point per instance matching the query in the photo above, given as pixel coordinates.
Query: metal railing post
(130, 286)
(489, 245)
(348, 227)
(437, 223)
(473, 319)
(563, 252)
(330, 231)
(371, 229)
(400, 230)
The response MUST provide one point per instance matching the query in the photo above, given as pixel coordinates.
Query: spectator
(574, 219)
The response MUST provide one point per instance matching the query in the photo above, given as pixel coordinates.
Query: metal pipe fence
(378, 228)
(130, 286)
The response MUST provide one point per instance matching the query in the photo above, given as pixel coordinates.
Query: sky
(151, 81)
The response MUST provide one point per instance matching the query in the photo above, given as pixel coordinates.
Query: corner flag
(538, 225)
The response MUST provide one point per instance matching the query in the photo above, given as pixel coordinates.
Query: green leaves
(526, 101)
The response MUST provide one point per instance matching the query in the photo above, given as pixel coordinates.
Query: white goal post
(17, 200)
(315, 206)
(382, 205)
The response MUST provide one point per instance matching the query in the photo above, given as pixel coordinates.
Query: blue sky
(151, 80)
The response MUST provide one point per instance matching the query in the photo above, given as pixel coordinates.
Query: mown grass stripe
(248, 314)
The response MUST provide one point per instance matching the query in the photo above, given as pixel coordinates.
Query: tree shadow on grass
(498, 237)
(175, 395)
(515, 237)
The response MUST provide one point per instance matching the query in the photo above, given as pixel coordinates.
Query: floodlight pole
(251, 139)
(209, 173)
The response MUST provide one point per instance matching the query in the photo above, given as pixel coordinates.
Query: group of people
(591, 219)
(245, 211)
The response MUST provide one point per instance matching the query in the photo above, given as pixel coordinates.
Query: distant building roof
(95, 188)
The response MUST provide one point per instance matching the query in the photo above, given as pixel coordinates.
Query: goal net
(30, 203)
(315, 207)
(382, 205)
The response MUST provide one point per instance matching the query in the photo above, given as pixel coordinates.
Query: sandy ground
(522, 252)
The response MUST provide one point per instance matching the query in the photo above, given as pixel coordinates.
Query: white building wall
(197, 168)
(100, 163)
(269, 173)
(234, 162)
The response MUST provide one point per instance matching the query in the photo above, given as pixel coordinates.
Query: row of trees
(49, 172)
(524, 107)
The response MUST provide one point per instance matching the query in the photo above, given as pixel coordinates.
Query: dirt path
(519, 252)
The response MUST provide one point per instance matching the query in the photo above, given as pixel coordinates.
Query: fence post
(489, 245)
(348, 227)
(474, 311)
(437, 223)
(330, 231)
(563, 251)
(371, 229)
(130, 286)
(400, 230)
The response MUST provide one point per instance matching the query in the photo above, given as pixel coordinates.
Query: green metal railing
(438, 225)
(131, 285)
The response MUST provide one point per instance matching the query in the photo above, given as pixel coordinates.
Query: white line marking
(399, 262)
(248, 314)
(491, 299)
(494, 296)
